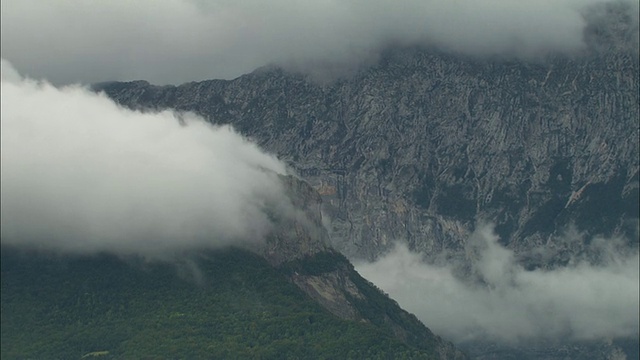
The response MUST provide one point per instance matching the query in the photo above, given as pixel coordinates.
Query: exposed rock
(423, 146)
(331, 280)
(298, 232)
(328, 290)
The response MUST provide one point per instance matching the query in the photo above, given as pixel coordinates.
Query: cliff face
(424, 145)
(298, 232)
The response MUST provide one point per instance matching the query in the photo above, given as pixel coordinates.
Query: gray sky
(175, 41)
(81, 174)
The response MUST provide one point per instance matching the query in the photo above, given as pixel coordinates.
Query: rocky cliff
(423, 145)
(298, 229)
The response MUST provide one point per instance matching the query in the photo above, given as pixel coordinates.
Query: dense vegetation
(228, 304)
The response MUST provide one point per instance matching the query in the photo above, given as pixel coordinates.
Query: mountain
(289, 298)
(424, 145)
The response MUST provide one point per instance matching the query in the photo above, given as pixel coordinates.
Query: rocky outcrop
(329, 278)
(298, 229)
(328, 289)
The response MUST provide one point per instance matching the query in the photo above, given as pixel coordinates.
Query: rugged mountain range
(424, 145)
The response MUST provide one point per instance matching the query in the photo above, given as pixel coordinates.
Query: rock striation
(424, 145)
(298, 231)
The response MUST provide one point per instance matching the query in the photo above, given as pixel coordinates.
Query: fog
(81, 174)
(175, 41)
(502, 301)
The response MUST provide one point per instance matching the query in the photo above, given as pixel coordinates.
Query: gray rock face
(422, 146)
(299, 232)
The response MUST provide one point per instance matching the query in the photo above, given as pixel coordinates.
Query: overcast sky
(175, 41)
(81, 174)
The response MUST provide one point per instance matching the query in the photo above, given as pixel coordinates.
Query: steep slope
(225, 304)
(292, 297)
(423, 145)
(299, 248)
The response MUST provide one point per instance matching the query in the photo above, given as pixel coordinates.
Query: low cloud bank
(81, 174)
(175, 41)
(502, 301)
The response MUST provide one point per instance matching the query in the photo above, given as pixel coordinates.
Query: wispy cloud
(502, 301)
(81, 174)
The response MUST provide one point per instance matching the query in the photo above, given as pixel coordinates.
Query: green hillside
(228, 304)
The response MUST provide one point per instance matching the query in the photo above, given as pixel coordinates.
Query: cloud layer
(175, 41)
(81, 174)
(503, 302)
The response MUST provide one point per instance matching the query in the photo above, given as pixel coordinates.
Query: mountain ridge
(422, 146)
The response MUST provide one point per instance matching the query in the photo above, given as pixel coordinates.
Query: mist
(82, 175)
(501, 301)
(177, 41)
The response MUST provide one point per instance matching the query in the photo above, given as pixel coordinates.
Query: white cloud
(81, 174)
(175, 41)
(506, 303)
